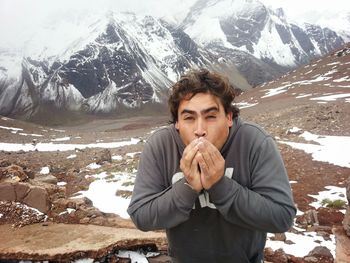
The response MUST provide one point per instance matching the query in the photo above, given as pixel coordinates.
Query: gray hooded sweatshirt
(228, 222)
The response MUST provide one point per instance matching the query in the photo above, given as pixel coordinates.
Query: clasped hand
(202, 164)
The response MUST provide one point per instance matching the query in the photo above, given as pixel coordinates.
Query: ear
(229, 119)
(177, 125)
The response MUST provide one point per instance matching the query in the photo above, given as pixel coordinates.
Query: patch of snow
(70, 210)
(243, 105)
(302, 243)
(303, 96)
(45, 170)
(102, 193)
(11, 128)
(58, 130)
(334, 63)
(34, 135)
(333, 193)
(61, 183)
(294, 130)
(93, 166)
(332, 97)
(276, 91)
(84, 260)
(331, 149)
(136, 257)
(342, 79)
(61, 139)
(100, 175)
(132, 155)
(51, 147)
(117, 157)
(71, 156)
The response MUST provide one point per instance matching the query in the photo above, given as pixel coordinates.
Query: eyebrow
(211, 109)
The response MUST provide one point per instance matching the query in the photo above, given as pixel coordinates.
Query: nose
(200, 130)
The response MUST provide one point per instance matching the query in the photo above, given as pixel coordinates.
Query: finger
(202, 164)
(190, 151)
(190, 146)
(208, 152)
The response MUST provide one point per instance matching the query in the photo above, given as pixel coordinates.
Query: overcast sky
(309, 10)
(18, 17)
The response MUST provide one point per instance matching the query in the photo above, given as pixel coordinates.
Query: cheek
(185, 134)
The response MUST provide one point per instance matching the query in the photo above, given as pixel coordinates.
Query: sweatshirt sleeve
(268, 204)
(154, 205)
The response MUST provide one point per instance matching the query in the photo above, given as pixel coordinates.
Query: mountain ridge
(126, 61)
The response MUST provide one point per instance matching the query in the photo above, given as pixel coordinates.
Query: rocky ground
(47, 181)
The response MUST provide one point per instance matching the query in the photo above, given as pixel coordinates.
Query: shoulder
(252, 134)
(252, 128)
(160, 134)
(162, 137)
(165, 141)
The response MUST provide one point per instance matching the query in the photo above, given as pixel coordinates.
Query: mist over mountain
(119, 61)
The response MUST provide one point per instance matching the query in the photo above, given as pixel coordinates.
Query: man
(217, 184)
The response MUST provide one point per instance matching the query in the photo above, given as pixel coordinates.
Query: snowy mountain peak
(115, 61)
(249, 26)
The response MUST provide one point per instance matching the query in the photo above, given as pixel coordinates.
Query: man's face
(203, 116)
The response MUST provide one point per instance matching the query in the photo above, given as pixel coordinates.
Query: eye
(188, 118)
(211, 117)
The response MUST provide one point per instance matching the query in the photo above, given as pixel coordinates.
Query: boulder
(21, 190)
(278, 256)
(329, 216)
(342, 253)
(279, 237)
(14, 172)
(346, 221)
(309, 218)
(48, 179)
(319, 254)
(7, 192)
(38, 198)
(103, 156)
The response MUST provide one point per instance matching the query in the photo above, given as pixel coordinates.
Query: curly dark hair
(202, 81)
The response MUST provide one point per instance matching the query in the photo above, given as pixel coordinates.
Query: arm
(268, 205)
(154, 205)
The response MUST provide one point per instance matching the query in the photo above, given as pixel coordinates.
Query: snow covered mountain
(131, 62)
(124, 61)
(251, 27)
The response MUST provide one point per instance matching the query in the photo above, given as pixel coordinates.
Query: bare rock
(278, 256)
(18, 215)
(38, 198)
(329, 216)
(21, 190)
(319, 254)
(346, 222)
(103, 156)
(7, 192)
(309, 218)
(342, 253)
(160, 259)
(57, 169)
(14, 172)
(279, 237)
(48, 179)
